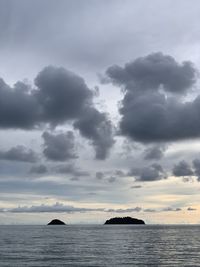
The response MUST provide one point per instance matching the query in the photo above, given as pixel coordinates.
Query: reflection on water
(106, 245)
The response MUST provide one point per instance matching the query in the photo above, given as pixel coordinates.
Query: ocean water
(104, 245)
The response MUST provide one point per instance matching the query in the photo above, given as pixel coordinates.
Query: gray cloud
(39, 169)
(162, 210)
(149, 210)
(136, 209)
(136, 186)
(171, 209)
(61, 208)
(72, 170)
(55, 189)
(182, 169)
(111, 176)
(98, 128)
(19, 153)
(196, 165)
(119, 173)
(100, 175)
(57, 208)
(111, 179)
(153, 172)
(60, 96)
(59, 147)
(153, 71)
(18, 106)
(149, 112)
(93, 41)
(190, 209)
(154, 152)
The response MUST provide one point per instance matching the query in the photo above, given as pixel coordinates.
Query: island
(56, 222)
(124, 220)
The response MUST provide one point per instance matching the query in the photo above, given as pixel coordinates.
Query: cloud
(111, 179)
(196, 165)
(96, 127)
(136, 186)
(171, 209)
(62, 208)
(191, 209)
(155, 152)
(150, 72)
(182, 169)
(154, 172)
(149, 210)
(152, 109)
(18, 106)
(136, 209)
(55, 208)
(59, 147)
(48, 188)
(19, 153)
(72, 170)
(119, 173)
(39, 169)
(100, 175)
(59, 96)
(162, 210)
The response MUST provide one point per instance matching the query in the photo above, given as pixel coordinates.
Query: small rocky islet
(124, 220)
(56, 222)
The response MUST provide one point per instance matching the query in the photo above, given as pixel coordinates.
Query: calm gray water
(106, 245)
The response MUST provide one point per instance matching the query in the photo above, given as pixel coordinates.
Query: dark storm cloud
(60, 96)
(19, 153)
(149, 112)
(95, 126)
(153, 71)
(39, 169)
(59, 147)
(182, 169)
(18, 106)
(153, 172)
(154, 152)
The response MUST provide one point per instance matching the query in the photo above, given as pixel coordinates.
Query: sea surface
(100, 245)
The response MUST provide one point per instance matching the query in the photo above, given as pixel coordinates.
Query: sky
(99, 111)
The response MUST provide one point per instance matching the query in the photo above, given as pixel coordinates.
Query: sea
(100, 245)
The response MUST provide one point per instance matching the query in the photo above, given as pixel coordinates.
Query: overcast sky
(99, 110)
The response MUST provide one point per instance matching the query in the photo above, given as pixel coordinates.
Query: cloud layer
(59, 96)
